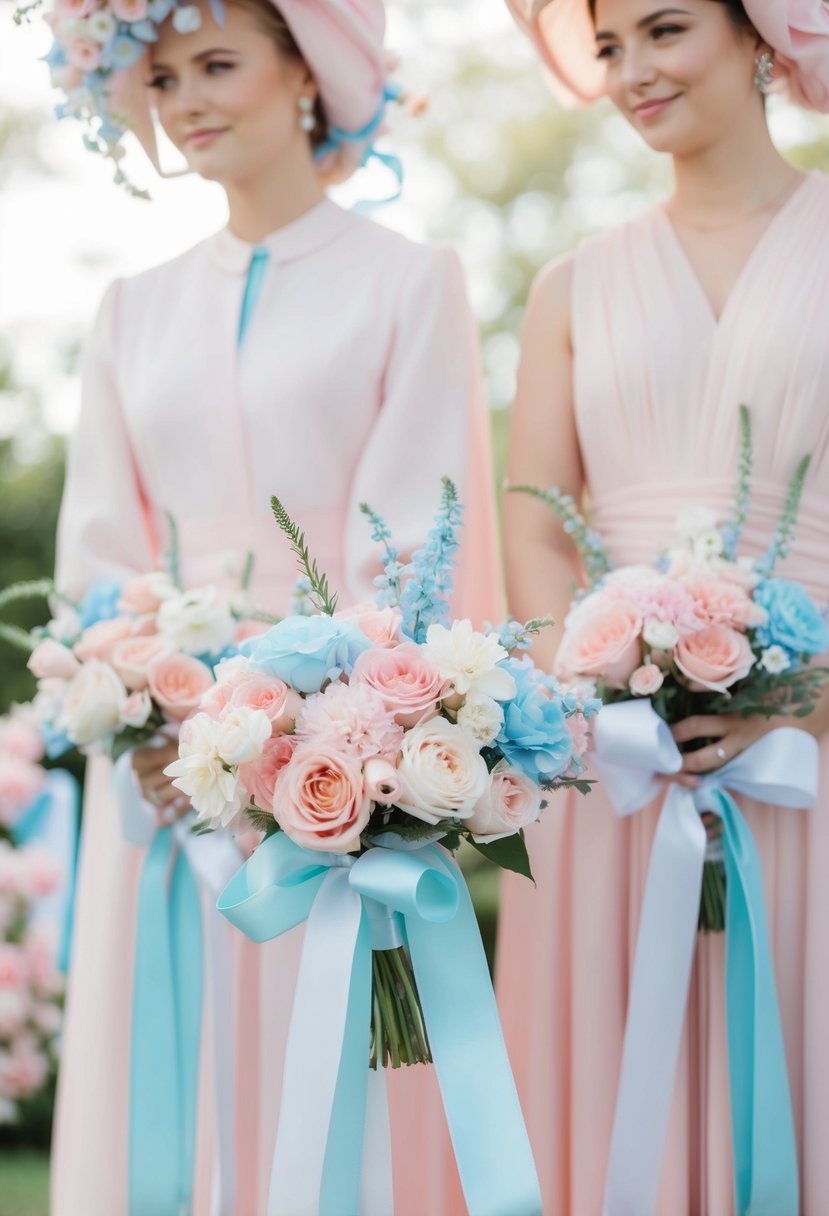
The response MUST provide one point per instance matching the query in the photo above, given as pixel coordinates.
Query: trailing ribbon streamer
(179, 935)
(52, 822)
(319, 1149)
(634, 752)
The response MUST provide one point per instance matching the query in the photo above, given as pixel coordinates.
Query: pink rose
(279, 702)
(15, 1007)
(130, 10)
(380, 625)
(382, 781)
(646, 680)
(510, 802)
(23, 1071)
(43, 874)
(719, 602)
(260, 776)
(20, 783)
(99, 639)
(408, 683)
(49, 660)
(176, 683)
(84, 53)
(12, 966)
(319, 799)
(74, 10)
(714, 658)
(132, 656)
(145, 593)
(604, 642)
(20, 734)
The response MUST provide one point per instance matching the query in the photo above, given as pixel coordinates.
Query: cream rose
(442, 773)
(197, 622)
(242, 734)
(92, 704)
(510, 802)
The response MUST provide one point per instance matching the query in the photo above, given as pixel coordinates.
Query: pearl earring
(764, 72)
(307, 121)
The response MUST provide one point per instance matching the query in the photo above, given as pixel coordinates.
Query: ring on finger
(721, 754)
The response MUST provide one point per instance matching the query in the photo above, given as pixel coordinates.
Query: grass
(24, 1183)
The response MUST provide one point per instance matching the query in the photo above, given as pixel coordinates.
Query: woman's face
(226, 97)
(678, 70)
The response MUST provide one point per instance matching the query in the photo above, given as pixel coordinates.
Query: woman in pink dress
(637, 352)
(303, 351)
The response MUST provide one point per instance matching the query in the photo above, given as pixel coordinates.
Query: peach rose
(408, 683)
(49, 659)
(146, 593)
(719, 602)
(511, 802)
(604, 642)
(130, 10)
(319, 799)
(84, 53)
(97, 641)
(281, 703)
(176, 683)
(261, 776)
(714, 658)
(132, 656)
(646, 680)
(380, 625)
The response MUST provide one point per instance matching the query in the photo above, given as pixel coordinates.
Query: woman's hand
(731, 733)
(148, 765)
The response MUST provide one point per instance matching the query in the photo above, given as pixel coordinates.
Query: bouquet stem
(712, 900)
(398, 1032)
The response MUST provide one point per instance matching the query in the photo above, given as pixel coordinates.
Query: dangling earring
(307, 121)
(764, 72)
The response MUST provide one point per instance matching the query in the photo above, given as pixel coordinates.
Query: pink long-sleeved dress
(657, 382)
(356, 381)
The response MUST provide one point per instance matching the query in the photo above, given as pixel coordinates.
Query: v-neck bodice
(658, 380)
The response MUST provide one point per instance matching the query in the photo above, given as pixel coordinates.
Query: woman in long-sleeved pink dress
(335, 367)
(637, 352)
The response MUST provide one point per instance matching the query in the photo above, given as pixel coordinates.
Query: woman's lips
(203, 136)
(654, 107)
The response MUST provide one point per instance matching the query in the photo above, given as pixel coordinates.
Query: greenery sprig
(319, 592)
(733, 527)
(389, 581)
(589, 544)
(784, 532)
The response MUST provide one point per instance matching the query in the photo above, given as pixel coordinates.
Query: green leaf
(262, 821)
(510, 853)
(320, 594)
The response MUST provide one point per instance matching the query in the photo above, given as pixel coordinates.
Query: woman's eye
(216, 66)
(606, 52)
(160, 81)
(665, 31)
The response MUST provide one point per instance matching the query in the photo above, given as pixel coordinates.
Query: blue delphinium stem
(387, 583)
(425, 597)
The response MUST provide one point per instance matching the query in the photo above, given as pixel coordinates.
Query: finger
(701, 726)
(688, 780)
(707, 758)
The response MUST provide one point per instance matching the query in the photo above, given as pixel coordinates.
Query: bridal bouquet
(386, 725)
(703, 631)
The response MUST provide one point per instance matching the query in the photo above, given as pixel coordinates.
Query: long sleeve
(104, 528)
(432, 423)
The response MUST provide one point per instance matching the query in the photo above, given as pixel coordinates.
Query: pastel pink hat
(796, 30)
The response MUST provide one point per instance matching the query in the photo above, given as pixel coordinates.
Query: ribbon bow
(634, 752)
(418, 897)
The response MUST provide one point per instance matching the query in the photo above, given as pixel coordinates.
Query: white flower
(470, 660)
(242, 734)
(775, 660)
(92, 705)
(8, 1111)
(65, 626)
(694, 521)
(707, 545)
(137, 709)
(215, 793)
(101, 26)
(186, 20)
(660, 635)
(481, 717)
(441, 771)
(196, 622)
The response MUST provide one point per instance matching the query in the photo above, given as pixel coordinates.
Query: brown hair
(737, 14)
(274, 24)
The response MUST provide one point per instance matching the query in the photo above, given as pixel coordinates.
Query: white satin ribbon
(634, 752)
(214, 858)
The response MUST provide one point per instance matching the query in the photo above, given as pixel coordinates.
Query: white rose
(92, 705)
(216, 794)
(196, 622)
(481, 717)
(137, 709)
(469, 659)
(242, 734)
(510, 802)
(775, 660)
(660, 635)
(14, 1010)
(441, 772)
(694, 521)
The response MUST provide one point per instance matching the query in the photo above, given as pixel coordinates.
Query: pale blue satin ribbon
(52, 822)
(338, 135)
(319, 1150)
(253, 287)
(634, 752)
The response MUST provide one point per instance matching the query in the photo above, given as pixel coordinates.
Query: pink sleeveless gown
(657, 384)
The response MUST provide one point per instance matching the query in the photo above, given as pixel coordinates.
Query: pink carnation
(356, 715)
(656, 598)
(579, 730)
(719, 602)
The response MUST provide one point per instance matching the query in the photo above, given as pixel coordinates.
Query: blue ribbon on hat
(336, 136)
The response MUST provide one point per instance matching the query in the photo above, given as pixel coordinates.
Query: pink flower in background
(132, 656)
(20, 783)
(320, 801)
(83, 53)
(40, 953)
(380, 625)
(260, 777)
(579, 730)
(355, 714)
(510, 802)
(49, 659)
(98, 640)
(20, 734)
(145, 593)
(67, 10)
(177, 682)
(15, 1006)
(41, 873)
(603, 642)
(130, 10)
(23, 1070)
(13, 969)
(248, 629)
(273, 696)
(408, 683)
(658, 599)
(714, 658)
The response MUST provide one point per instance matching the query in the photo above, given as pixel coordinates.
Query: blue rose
(534, 736)
(305, 651)
(794, 619)
(101, 602)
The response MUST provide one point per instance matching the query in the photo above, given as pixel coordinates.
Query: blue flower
(101, 603)
(534, 736)
(305, 651)
(794, 619)
(55, 741)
